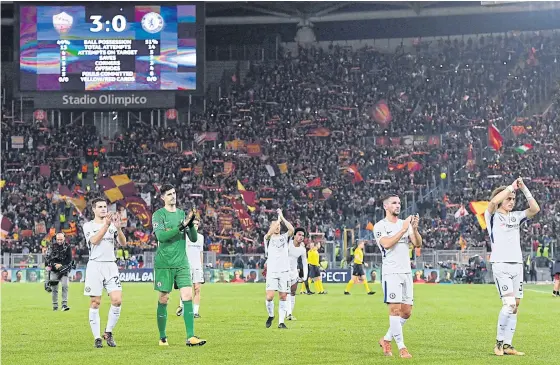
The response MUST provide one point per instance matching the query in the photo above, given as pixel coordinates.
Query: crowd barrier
(33, 275)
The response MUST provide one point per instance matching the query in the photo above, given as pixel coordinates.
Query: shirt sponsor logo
(510, 226)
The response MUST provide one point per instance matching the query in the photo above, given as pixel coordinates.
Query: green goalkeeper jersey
(171, 251)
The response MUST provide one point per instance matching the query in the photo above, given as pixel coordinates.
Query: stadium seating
(323, 139)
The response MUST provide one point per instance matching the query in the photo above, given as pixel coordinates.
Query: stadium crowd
(317, 134)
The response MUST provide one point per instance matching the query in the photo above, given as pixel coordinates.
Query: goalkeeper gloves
(183, 226)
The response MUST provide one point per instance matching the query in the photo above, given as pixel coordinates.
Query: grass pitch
(451, 324)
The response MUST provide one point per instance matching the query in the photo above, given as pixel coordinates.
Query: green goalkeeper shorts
(165, 278)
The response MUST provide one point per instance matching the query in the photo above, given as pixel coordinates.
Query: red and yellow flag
(139, 208)
(495, 139)
(478, 209)
(117, 187)
(249, 197)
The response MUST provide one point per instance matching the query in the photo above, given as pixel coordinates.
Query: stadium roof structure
(262, 12)
(286, 12)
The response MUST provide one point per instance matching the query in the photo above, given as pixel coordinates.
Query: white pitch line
(538, 291)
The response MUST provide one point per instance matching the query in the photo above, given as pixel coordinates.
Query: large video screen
(109, 47)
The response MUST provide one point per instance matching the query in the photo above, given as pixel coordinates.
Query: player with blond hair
(503, 225)
(393, 236)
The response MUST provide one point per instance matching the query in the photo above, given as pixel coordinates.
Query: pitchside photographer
(59, 264)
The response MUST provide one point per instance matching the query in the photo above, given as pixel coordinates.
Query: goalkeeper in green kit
(171, 264)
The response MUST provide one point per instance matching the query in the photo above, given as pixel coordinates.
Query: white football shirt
(105, 250)
(505, 237)
(294, 254)
(396, 260)
(277, 252)
(193, 252)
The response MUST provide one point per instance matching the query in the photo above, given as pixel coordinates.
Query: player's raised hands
(407, 223)
(280, 215)
(520, 183)
(190, 217)
(515, 184)
(415, 221)
(109, 219)
(116, 220)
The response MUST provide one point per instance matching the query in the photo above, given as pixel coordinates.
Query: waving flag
(461, 212)
(414, 166)
(270, 170)
(518, 130)
(495, 139)
(283, 167)
(244, 218)
(6, 226)
(381, 113)
(66, 194)
(478, 209)
(249, 197)
(524, 148)
(139, 208)
(117, 187)
(353, 169)
(315, 183)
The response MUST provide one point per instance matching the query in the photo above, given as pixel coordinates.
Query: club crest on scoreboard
(152, 22)
(62, 22)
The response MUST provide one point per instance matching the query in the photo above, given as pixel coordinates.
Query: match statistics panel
(104, 47)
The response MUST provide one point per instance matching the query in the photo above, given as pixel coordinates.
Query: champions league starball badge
(62, 22)
(152, 22)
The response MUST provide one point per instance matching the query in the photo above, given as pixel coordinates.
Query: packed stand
(447, 89)
(314, 116)
(34, 167)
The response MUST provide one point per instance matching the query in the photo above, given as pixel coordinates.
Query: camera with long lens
(55, 275)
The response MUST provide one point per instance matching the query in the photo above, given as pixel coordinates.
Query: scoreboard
(111, 47)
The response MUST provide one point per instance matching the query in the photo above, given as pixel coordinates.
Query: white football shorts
(101, 275)
(397, 288)
(197, 276)
(294, 277)
(279, 281)
(508, 278)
